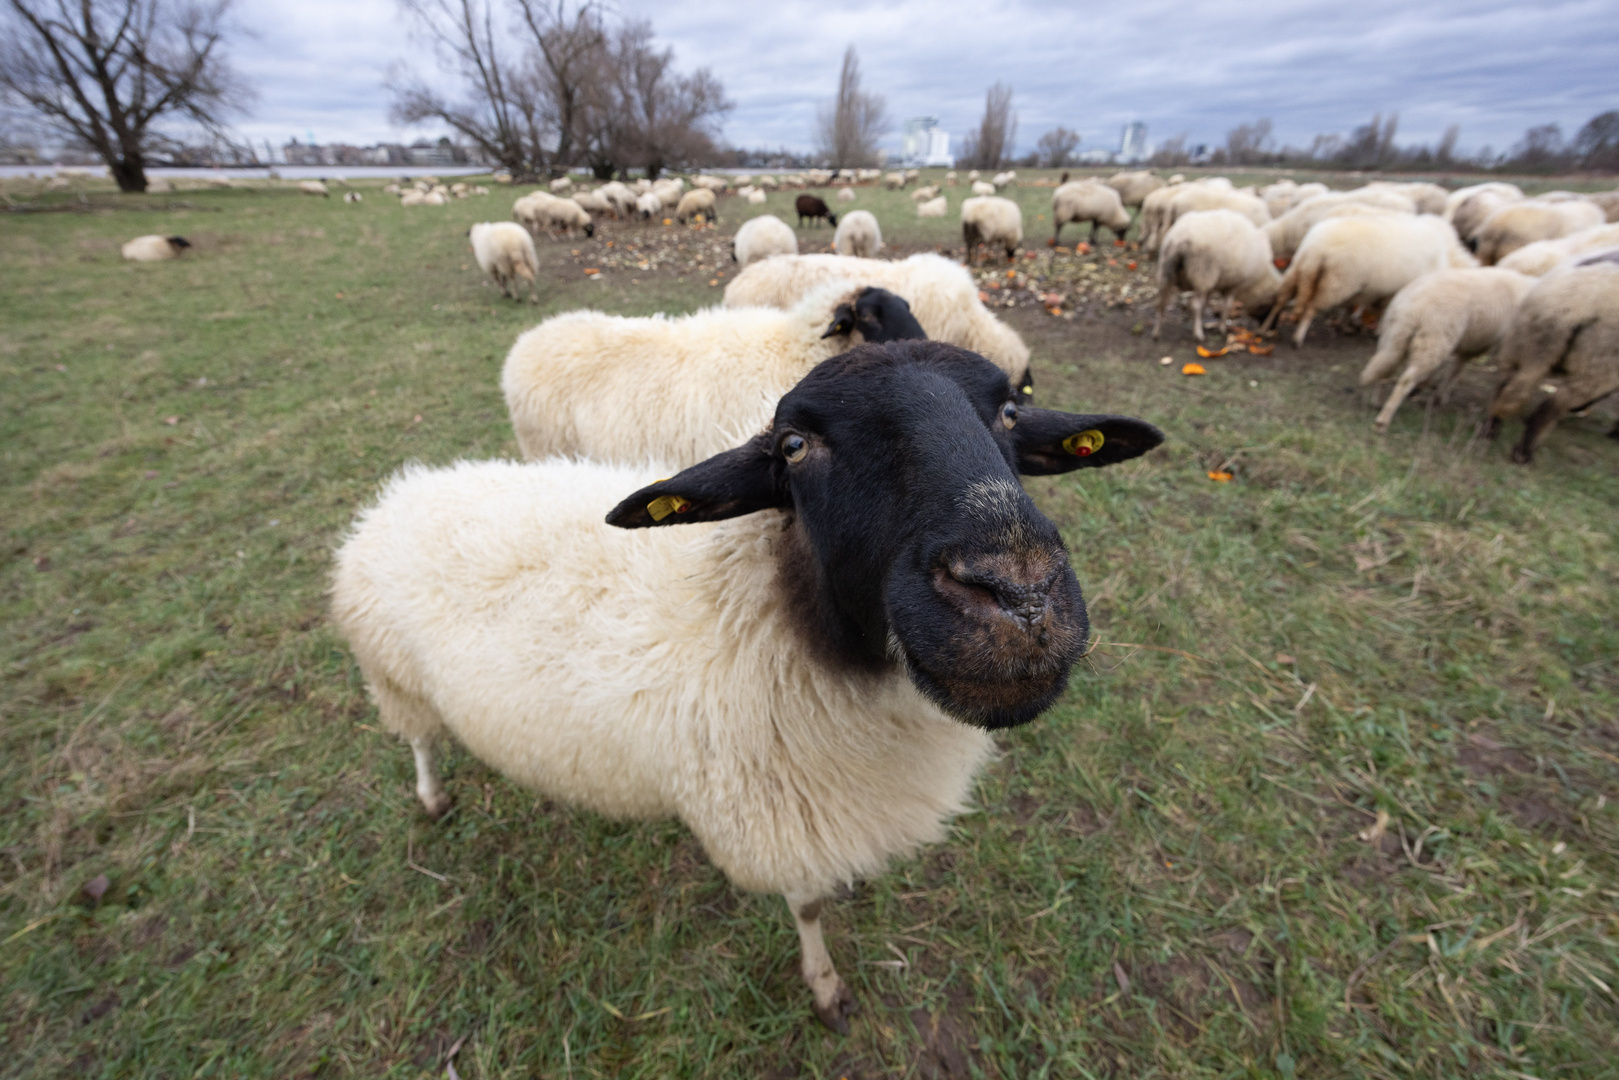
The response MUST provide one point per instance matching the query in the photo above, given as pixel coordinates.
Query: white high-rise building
(1133, 141)
(925, 144)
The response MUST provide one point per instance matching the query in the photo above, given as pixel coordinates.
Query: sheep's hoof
(1522, 455)
(836, 1012)
(437, 805)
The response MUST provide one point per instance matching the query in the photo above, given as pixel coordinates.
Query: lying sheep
(1511, 227)
(1216, 251)
(983, 187)
(1080, 201)
(1134, 187)
(154, 248)
(1437, 323)
(694, 202)
(1568, 325)
(942, 294)
(858, 234)
(1287, 232)
(804, 684)
(421, 198)
(314, 187)
(812, 208)
(353, 197)
(707, 380)
(762, 237)
(505, 251)
(1543, 256)
(991, 221)
(1364, 260)
(1003, 178)
(939, 207)
(846, 194)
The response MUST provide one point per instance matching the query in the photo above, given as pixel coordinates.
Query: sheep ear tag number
(1083, 443)
(662, 507)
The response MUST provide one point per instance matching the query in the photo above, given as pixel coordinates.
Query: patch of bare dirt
(947, 1038)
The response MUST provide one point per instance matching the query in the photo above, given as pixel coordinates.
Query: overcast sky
(1494, 68)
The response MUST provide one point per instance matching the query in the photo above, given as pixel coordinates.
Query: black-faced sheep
(154, 248)
(812, 208)
(805, 671)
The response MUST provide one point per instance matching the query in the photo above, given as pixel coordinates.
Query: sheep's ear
(727, 485)
(842, 322)
(1050, 442)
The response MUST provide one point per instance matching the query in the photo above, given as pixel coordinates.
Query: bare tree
(659, 118)
(104, 73)
(1246, 144)
(1170, 152)
(1597, 143)
(1540, 150)
(1446, 152)
(847, 134)
(989, 146)
(1055, 150)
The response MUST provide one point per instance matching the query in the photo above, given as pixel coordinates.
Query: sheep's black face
(879, 315)
(913, 541)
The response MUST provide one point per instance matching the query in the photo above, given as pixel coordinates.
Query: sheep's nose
(1012, 586)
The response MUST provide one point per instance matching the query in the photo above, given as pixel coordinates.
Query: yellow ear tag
(1028, 389)
(1084, 443)
(669, 504)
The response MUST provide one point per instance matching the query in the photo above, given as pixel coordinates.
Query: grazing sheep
(939, 207)
(1609, 201)
(1216, 251)
(923, 194)
(714, 184)
(421, 198)
(1543, 256)
(1364, 259)
(696, 201)
(707, 380)
(1468, 208)
(792, 671)
(858, 235)
(620, 198)
(1133, 187)
(392, 189)
(912, 174)
(1213, 193)
(972, 175)
(1437, 323)
(647, 204)
(983, 187)
(991, 221)
(353, 197)
(1511, 227)
(1426, 198)
(541, 210)
(1004, 178)
(846, 194)
(479, 189)
(505, 251)
(756, 198)
(155, 248)
(812, 207)
(314, 187)
(1287, 232)
(1079, 201)
(1567, 325)
(762, 237)
(767, 182)
(894, 181)
(592, 203)
(950, 178)
(942, 294)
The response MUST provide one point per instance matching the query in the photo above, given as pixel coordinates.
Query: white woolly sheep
(1543, 256)
(972, 175)
(1079, 201)
(1135, 186)
(1426, 198)
(1215, 251)
(912, 174)
(846, 194)
(705, 382)
(562, 185)
(942, 294)
(314, 187)
(1188, 198)
(923, 194)
(654, 659)
(154, 248)
(939, 207)
(1437, 323)
(1364, 259)
(1568, 325)
(894, 181)
(647, 205)
(714, 184)
(591, 202)
(697, 201)
(1511, 227)
(1468, 208)
(757, 198)
(982, 188)
(505, 251)
(1609, 201)
(858, 234)
(1287, 232)
(993, 222)
(620, 198)
(762, 237)
(353, 197)
(1003, 178)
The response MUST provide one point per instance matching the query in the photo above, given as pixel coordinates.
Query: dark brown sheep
(812, 207)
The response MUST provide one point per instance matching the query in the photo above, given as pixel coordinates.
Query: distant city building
(1133, 142)
(925, 143)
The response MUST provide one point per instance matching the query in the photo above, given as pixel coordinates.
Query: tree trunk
(602, 170)
(129, 171)
(653, 168)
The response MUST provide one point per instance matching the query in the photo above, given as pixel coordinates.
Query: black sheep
(812, 207)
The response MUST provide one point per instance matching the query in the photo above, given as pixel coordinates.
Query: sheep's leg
(1403, 386)
(429, 789)
(1225, 315)
(1093, 234)
(1163, 302)
(833, 1002)
(1304, 325)
(1197, 316)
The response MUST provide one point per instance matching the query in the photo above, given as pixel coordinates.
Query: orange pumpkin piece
(1208, 354)
(1194, 369)
(1220, 477)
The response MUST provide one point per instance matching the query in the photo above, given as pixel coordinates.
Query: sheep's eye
(1009, 413)
(794, 447)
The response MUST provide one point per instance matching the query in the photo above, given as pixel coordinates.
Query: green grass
(1162, 877)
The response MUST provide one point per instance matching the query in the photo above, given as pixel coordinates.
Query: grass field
(1337, 795)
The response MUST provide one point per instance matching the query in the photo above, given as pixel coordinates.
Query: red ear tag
(1083, 443)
